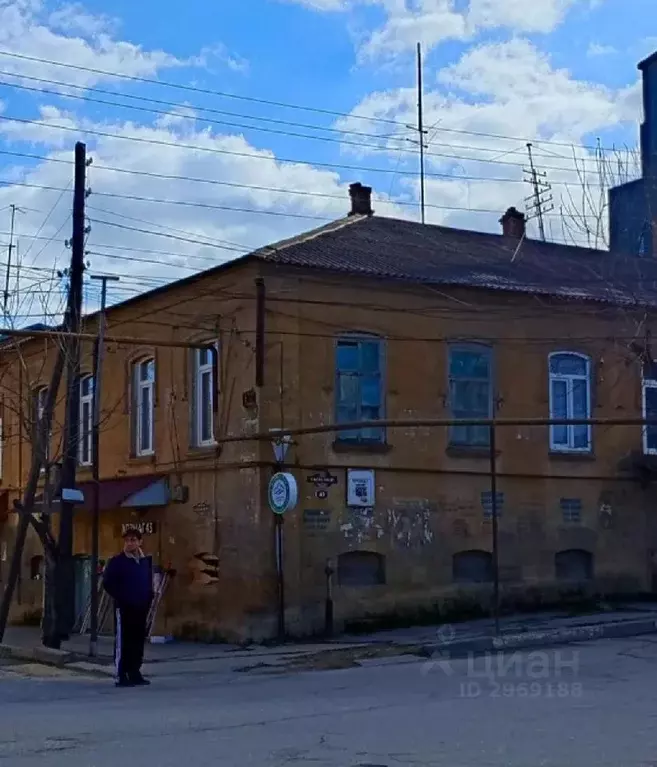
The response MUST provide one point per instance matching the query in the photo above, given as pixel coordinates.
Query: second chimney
(361, 200)
(513, 224)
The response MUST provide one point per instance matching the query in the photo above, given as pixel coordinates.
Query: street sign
(283, 492)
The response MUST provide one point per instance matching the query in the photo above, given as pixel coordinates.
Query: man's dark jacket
(129, 581)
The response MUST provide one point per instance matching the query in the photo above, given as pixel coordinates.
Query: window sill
(204, 451)
(469, 451)
(379, 448)
(141, 460)
(558, 455)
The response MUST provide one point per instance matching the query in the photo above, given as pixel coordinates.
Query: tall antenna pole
(537, 202)
(420, 126)
(10, 248)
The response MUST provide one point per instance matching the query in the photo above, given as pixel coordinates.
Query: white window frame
(139, 386)
(86, 435)
(199, 372)
(646, 383)
(569, 379)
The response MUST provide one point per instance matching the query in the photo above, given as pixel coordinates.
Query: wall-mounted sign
(322, 479)
(283, 492)
(316, 520)
(145, 528)
(360, 487)
(321, 494)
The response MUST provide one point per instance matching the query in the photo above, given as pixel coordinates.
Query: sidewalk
(451, 640)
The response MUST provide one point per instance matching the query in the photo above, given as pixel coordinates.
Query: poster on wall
(360, 487)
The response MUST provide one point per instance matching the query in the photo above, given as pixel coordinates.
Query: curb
(487, 644)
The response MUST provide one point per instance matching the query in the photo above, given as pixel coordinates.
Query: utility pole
(99, 350)
(540, 201)
(420, 126)
(66, 575)
(10, 249)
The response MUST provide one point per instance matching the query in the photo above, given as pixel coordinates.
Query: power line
(268, 102)
(272, 158)
(341, 141)
(254, 187)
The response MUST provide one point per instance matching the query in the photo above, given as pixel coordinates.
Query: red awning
(114, 491)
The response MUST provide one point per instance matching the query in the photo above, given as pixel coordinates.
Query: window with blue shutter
(359, 387)
(470, 392)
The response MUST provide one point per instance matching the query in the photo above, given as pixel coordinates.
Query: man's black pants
(129, 641)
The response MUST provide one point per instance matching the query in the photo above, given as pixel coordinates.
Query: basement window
(573, 565)
(361, 568)
(472, 567)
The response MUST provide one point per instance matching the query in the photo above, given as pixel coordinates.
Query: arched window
(472, 567)
(570, 398)
(361, 568)
(86, 420)
(573, 565)
(359, 386)
(143, 403)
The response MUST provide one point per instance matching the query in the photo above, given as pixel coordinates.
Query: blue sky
(498, 73)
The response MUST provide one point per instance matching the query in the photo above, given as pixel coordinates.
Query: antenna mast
(420, 126)
(10, 248)
(541, 200)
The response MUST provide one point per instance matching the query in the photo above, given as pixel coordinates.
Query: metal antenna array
(540, 201)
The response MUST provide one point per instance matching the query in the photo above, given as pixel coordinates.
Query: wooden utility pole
(65, 580)
(99, 349)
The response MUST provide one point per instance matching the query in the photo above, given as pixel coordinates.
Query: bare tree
(585, 204)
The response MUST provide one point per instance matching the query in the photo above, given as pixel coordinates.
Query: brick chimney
(513, 224)
(361, 200)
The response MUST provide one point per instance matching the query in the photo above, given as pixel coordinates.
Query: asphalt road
(583, 705)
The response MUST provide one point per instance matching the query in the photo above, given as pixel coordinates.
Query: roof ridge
(266, 251)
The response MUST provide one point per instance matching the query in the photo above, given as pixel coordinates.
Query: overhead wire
(261, 156)
(342, 141)
(268, 102)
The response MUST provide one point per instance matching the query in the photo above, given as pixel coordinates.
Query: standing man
(128, 579)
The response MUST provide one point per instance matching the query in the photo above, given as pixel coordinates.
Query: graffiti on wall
(360, 526)
(410, 523)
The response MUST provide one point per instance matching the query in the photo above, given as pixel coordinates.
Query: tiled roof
(402, 250)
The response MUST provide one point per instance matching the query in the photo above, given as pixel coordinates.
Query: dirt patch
(332, 660)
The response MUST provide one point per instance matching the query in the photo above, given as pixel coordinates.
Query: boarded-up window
(573, 565)
(472, 567)
(361, 568)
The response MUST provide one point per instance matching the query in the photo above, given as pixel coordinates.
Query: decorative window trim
(570, 447)
(138, 387)
(196, 412)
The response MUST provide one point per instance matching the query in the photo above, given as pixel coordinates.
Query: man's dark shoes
(139, 681)
(124, 682)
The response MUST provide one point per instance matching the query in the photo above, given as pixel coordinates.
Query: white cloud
(321, 196)
(519, 15)
(71, 35)
(434, 21)
(321, 5)
(598, 49)
(495, 91)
